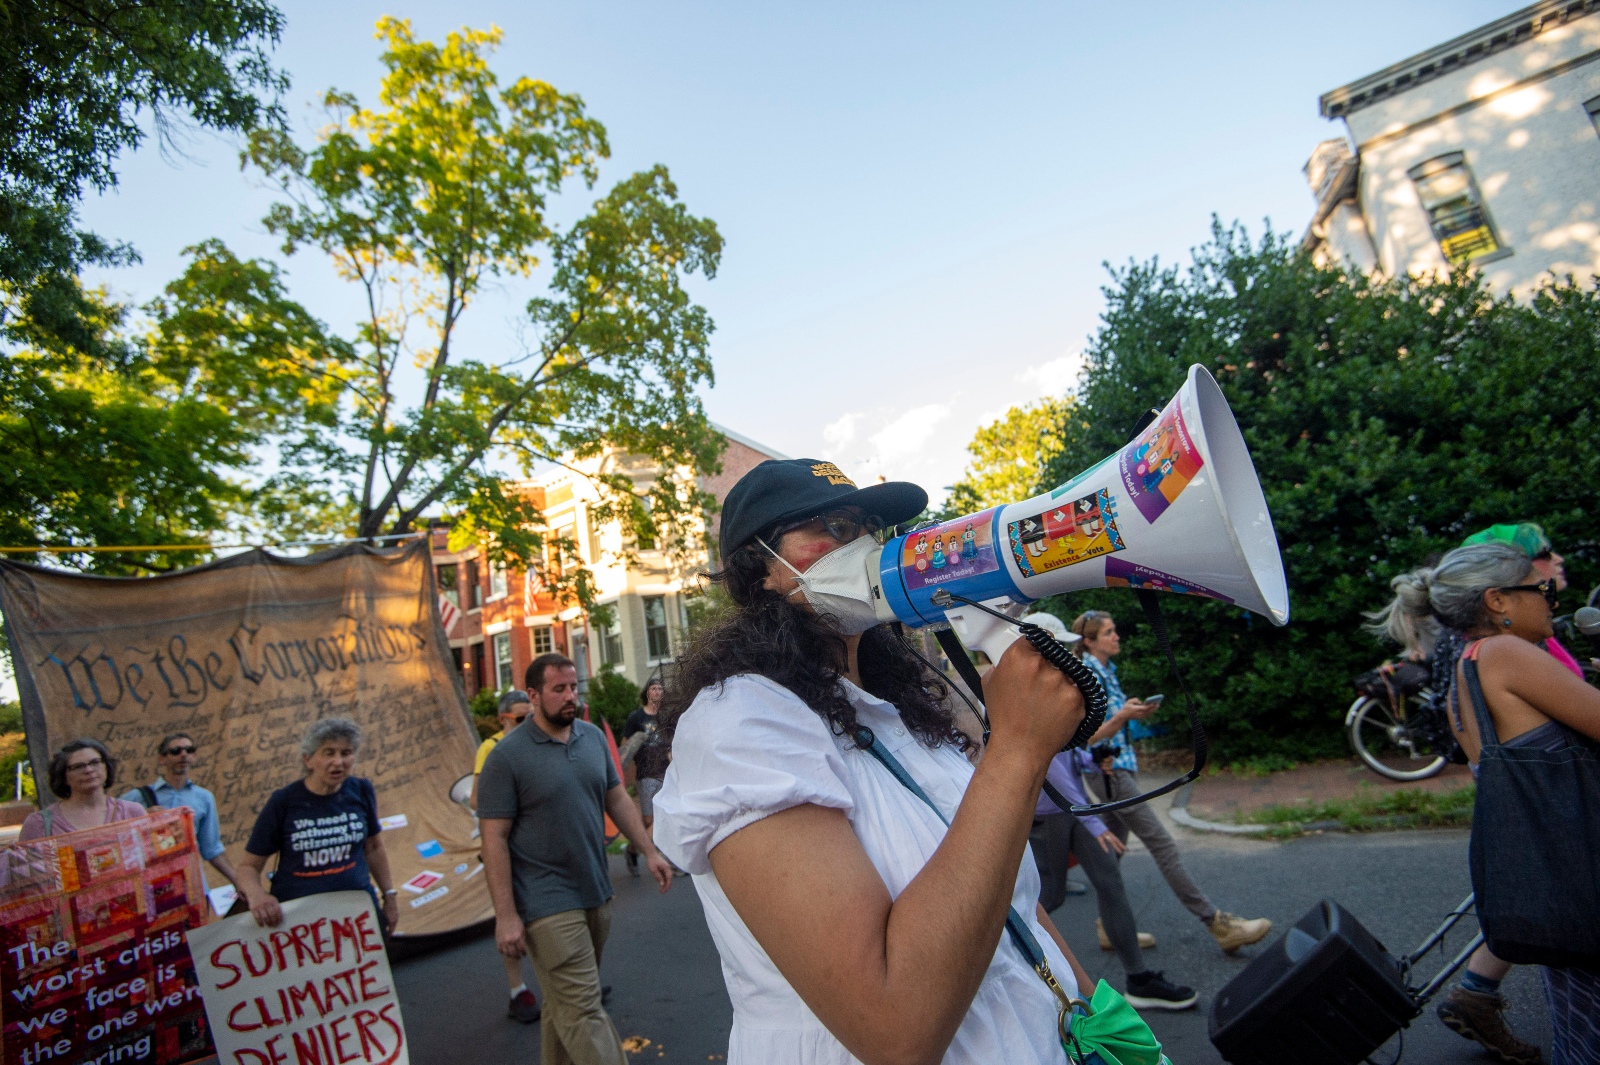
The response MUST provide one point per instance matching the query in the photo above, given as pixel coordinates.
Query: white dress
(752, 749)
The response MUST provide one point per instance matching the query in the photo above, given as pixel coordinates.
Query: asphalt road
(668, 985)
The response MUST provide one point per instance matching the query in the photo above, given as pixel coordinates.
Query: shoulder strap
(1021, 935)
(147, 795)
(1488, 735)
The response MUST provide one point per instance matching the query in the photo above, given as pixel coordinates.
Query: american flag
(448, 613)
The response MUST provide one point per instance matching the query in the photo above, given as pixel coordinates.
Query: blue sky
(917, 198)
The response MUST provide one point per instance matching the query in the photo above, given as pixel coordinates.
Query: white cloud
(1055, 377)
(839, 433)
(908, 435)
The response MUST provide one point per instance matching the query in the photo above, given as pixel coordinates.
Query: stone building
(1484, 150)
(498, 620)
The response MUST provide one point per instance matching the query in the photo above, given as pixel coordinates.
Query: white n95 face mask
(838, 585)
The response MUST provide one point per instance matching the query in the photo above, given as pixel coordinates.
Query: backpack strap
(147, 795)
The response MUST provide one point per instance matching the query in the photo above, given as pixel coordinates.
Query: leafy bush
(10, 718)
(613, 696)
(486, 704)
(1387, 420)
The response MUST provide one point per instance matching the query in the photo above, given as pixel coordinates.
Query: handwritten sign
(244, 654)
(316, 990)
(94, 966)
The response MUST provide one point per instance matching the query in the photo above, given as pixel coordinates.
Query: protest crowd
(826, 859)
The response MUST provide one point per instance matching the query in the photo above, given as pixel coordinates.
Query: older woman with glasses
(1495, 596)
(80, 773)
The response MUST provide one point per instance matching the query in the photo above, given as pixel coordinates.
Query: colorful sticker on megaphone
(948, 552)
(1066, 535)
(1120, 574)
(1160, 463)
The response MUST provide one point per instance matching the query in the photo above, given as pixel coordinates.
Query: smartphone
(1154, 700)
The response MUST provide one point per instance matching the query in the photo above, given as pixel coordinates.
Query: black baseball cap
(790, 489)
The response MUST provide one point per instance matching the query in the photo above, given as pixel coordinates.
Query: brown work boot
(1480, 1017)
(1146, 940)
(1232, 931)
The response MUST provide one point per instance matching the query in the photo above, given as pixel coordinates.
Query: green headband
(1525, 537)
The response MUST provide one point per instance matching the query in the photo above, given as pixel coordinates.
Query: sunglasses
(179, 750)
(1546, 588)
(90, 764)
(844, 526)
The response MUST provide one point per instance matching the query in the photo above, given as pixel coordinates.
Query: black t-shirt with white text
(651, 761)
(320, 840)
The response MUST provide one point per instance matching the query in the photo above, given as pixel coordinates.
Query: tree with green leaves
(153, 434)
(1387, 420)
(1008, 454)
(441, 188)
(79, 81)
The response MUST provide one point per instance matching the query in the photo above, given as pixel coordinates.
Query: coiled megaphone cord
(1094, 694)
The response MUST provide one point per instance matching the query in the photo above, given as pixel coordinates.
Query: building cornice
(1453, 55)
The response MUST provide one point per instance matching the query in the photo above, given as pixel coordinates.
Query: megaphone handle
(1158, 624)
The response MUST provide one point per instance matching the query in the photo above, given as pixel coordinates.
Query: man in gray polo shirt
(542, 800)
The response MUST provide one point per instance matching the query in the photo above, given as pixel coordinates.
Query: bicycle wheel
(1386, 745)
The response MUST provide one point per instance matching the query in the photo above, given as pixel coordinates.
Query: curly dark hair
(770, 636)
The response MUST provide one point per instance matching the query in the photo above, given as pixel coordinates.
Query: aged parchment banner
(244, 653)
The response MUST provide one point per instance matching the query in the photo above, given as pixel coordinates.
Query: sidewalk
(1221, 796)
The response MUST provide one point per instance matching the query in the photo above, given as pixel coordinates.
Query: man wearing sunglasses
(175, 756)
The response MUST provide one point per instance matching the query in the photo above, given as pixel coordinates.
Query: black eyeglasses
(90, 764)
(1546, 588)
(843, 525)
(179, 750)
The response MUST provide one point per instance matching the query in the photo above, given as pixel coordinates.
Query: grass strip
(1367, 812)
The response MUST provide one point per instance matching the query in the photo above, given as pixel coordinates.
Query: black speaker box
(1326, 993)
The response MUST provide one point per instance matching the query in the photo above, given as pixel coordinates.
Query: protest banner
(244, 654)
(94, 967)
(315, 990)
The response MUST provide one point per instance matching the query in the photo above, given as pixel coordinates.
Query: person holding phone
(1119, 779)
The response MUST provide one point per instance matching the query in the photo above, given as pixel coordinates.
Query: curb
(1179, 812)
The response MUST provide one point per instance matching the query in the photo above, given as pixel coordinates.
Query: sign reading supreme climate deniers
(316, 990)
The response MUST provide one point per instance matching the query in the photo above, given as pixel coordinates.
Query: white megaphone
(1177, 510)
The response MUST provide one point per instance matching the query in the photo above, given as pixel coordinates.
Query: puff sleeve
(744, 750)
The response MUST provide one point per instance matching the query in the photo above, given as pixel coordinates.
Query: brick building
(498, 620)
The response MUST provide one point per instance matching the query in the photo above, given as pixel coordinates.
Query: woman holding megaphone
(860, 913)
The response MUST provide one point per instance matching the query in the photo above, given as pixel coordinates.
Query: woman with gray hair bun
(1490, 595)
(323, 829)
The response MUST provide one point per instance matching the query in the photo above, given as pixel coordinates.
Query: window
(1593, 107)
(447, 583)
(475, 677)
(543, 640)
(611, 646)
(502, 661)
(497, 581)
(1455, 208)
(655, 627)
(646, 539)
(472, 588)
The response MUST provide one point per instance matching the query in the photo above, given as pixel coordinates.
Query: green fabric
(1114, 1031)
(1525, 537)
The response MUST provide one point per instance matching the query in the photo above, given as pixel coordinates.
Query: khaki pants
(565, 948)
(1146, 824)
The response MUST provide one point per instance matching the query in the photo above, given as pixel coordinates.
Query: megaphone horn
(1178, 509)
